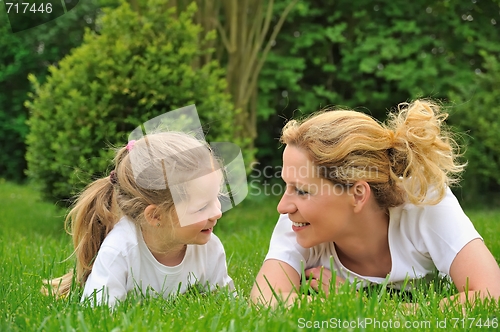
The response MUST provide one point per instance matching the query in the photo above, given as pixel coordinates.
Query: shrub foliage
(137, 67)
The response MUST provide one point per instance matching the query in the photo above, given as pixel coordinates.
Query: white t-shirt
(421, 240)
(124, 263)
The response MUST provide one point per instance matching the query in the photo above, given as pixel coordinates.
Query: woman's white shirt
(422, 239)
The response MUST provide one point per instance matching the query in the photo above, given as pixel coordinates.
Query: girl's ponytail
(89, 221)
(422, 152)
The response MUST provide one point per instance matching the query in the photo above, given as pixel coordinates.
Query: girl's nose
(216, 212)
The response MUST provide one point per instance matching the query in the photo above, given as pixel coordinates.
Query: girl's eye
(203, 208)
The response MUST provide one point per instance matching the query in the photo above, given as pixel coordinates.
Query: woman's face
(319, 210)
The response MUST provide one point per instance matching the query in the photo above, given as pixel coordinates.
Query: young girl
(148, 227)
(374, 200)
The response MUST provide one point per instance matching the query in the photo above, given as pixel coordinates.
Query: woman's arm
(475, 273)
(275, 278)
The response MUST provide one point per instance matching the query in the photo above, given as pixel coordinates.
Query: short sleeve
(445, 230)
(284, 246)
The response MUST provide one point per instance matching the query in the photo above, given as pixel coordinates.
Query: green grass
(33, 247)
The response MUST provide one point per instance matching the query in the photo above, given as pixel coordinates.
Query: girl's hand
(320, 278)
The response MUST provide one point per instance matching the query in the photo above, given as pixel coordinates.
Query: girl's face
(319, 210)
(198, 215)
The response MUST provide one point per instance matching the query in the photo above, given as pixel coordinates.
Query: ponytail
(422, 152)
(89, 221)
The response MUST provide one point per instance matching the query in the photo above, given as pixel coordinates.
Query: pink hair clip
(130, 145)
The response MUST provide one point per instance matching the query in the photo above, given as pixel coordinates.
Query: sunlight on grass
(34, 246)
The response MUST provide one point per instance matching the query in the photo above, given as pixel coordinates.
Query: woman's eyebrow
(295, 183)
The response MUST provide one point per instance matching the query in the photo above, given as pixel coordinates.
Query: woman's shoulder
(425, 233)
(447, 208)
(443, 220)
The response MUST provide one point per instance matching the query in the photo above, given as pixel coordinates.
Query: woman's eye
(301, 192)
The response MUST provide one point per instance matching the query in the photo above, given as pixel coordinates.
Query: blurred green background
(249, 65)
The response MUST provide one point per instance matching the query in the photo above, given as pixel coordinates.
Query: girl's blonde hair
(401, 160)
(128, 192)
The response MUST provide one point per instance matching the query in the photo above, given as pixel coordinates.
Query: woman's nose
(286, 205)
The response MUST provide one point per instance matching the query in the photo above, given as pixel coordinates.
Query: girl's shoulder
(122, 237)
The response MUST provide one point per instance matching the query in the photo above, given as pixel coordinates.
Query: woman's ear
(361, 192)
(152, 215)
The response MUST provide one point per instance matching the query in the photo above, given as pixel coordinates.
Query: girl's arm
(275, 278)
(475, 273)
(106, 283)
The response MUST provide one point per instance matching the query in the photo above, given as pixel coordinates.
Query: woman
(373, 199)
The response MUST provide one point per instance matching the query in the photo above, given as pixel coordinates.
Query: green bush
(137, 67)
(28, 52)
(475, 114)
(12, 117)
(371, 55)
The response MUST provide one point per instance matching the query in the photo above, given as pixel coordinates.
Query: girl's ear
(361, 192)
(152, 215)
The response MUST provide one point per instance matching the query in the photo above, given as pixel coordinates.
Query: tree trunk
(243, 41)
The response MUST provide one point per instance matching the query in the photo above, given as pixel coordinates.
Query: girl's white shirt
(124, 264)
(422, 239)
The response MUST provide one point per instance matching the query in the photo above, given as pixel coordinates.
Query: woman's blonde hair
(127, 192)
(401, 160)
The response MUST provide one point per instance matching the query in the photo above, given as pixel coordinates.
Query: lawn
(34, 246)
